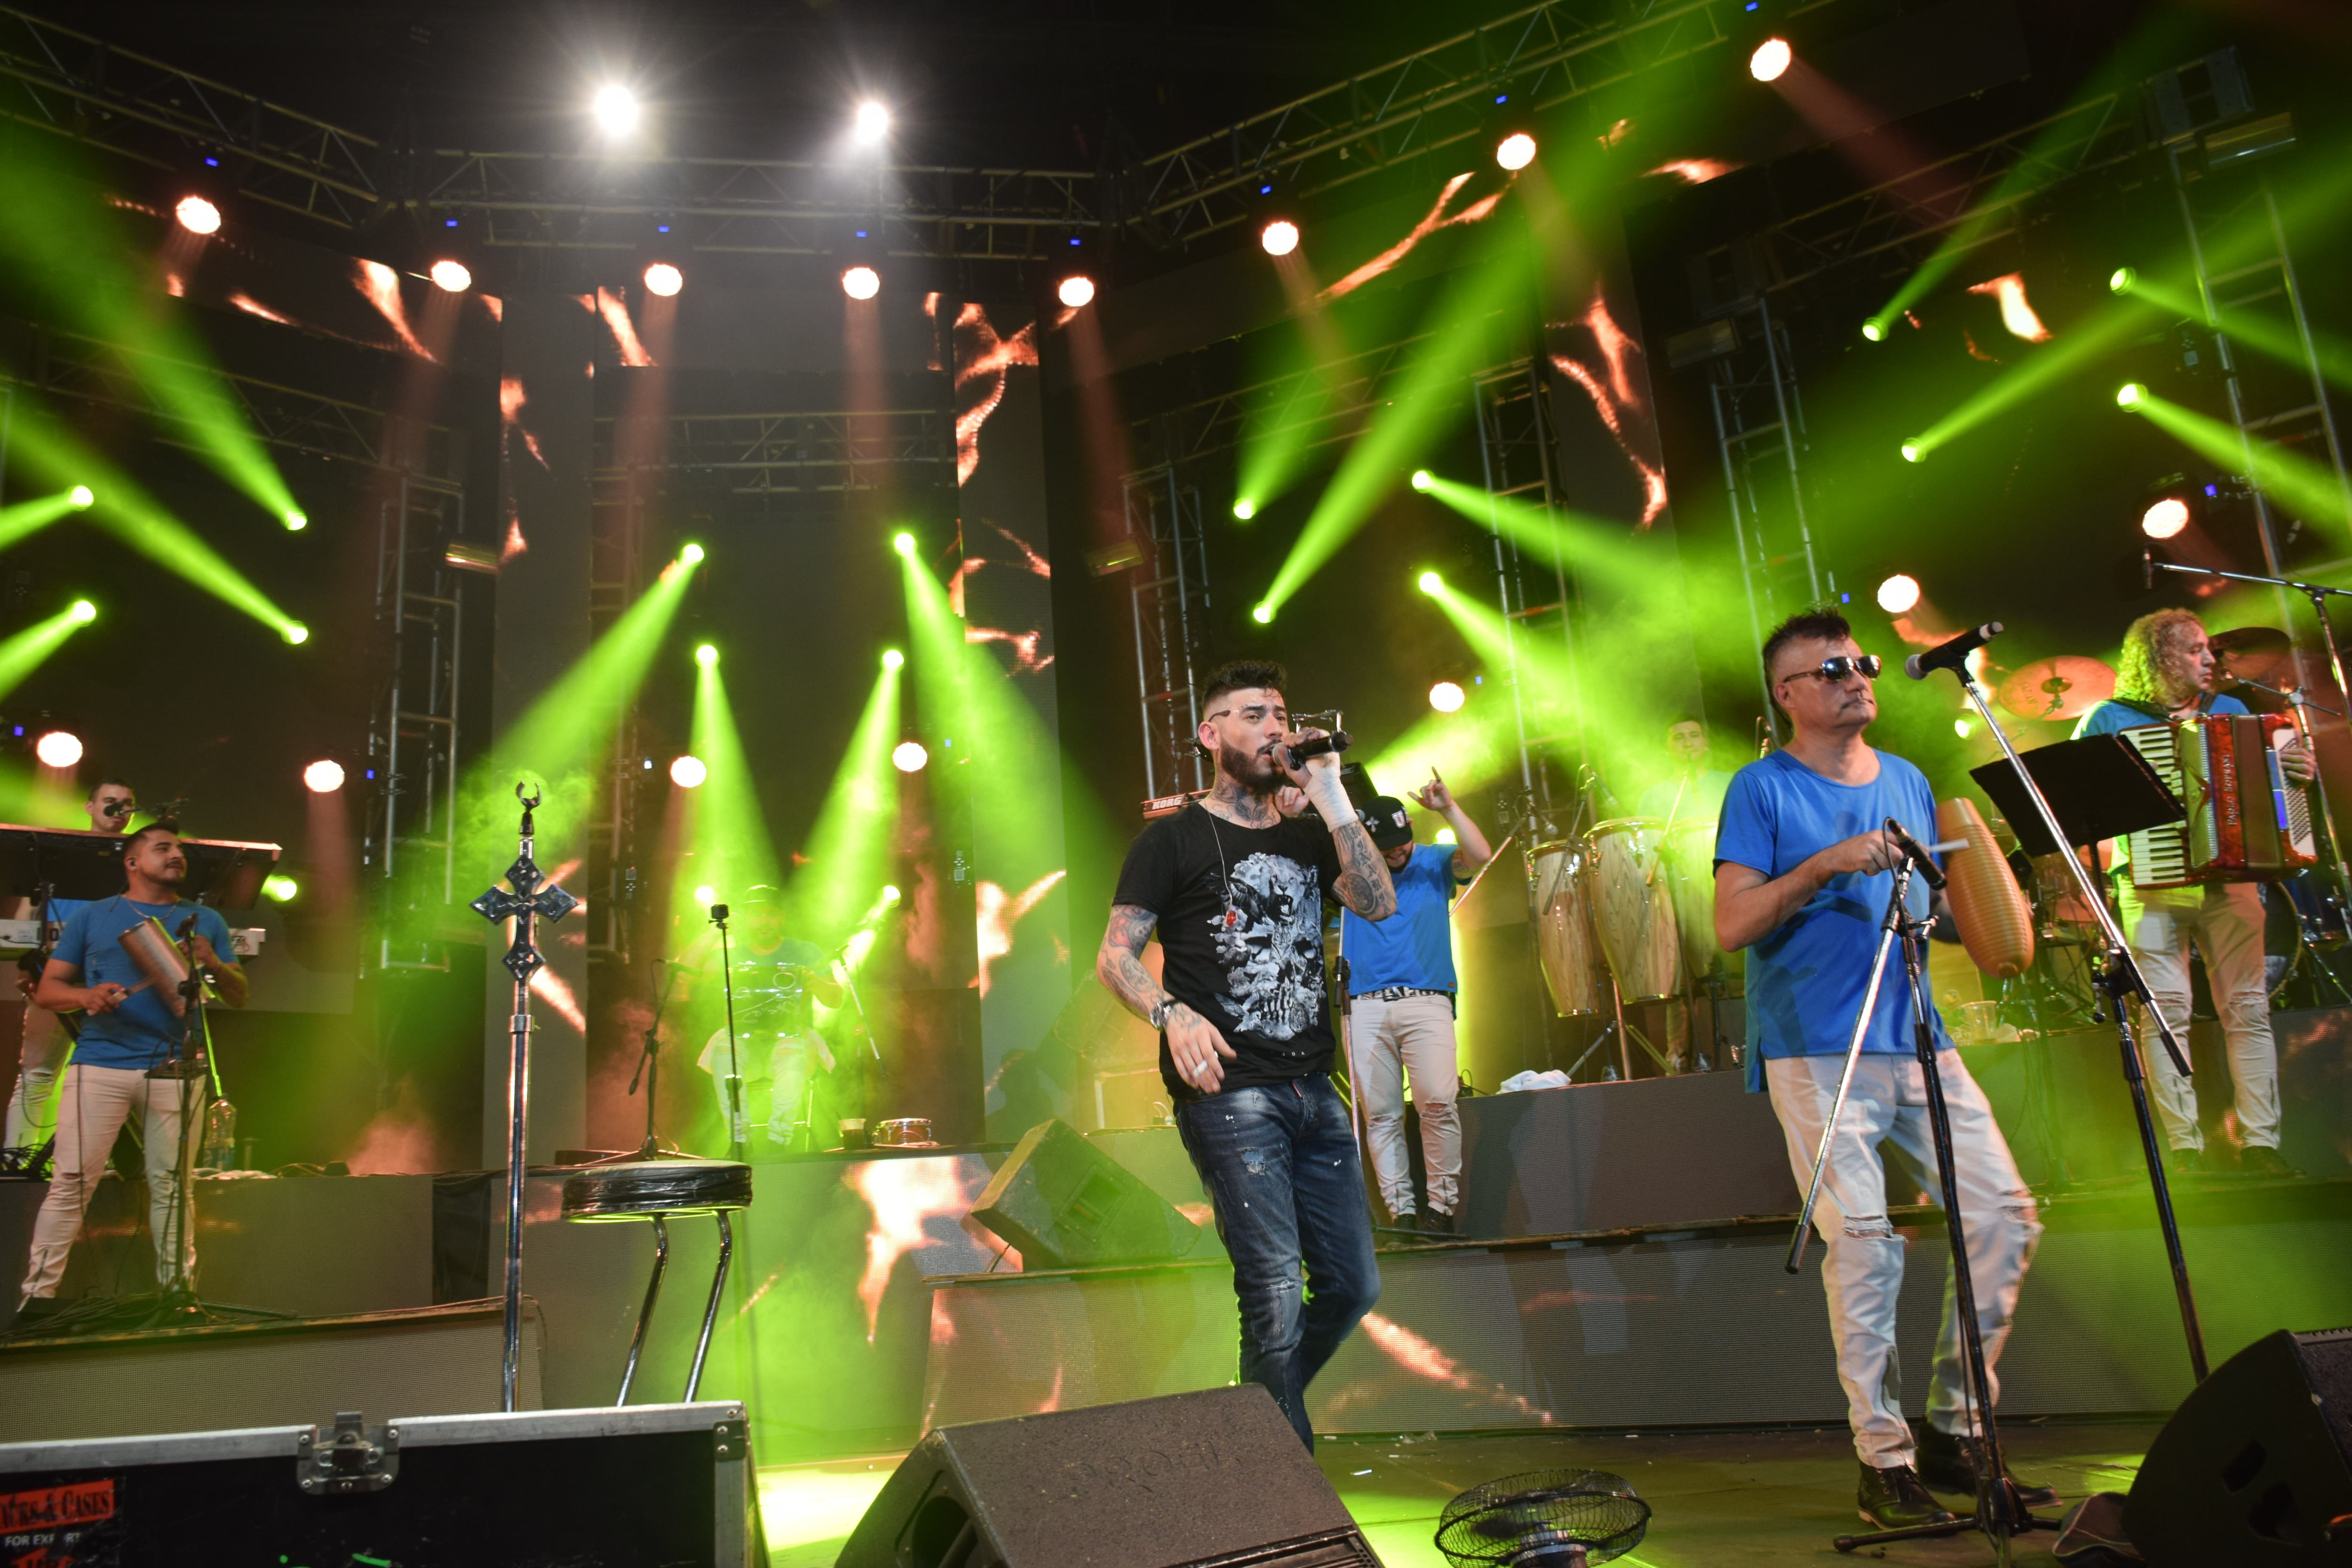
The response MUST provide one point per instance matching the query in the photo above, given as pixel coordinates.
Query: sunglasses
(1834, 670)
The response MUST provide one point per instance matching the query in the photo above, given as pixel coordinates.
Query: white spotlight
(1770, 59)
(861, 282)
(452, 277)
(324, 776)
(664, 279)
(1516, 151)
(1077, 291)
(1279, 238)
(197, 216)
(615, 109)
(872, 124)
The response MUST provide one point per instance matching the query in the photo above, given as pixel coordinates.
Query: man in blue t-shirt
(130, 1027)
(2167, 674)
(1401, 1005)
(1803, 873)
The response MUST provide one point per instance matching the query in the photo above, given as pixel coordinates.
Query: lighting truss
(1324, 403)
(801, 453)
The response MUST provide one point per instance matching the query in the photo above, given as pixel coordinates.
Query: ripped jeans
(1862, 1262)
(1279, 1164)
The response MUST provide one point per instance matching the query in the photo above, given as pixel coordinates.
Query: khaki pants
(93, 1103)
(1386, 1041)
(1862, 1256)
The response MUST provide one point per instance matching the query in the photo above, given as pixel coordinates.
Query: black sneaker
(2256, 1160)
(2185, 1161)
(37, 1308)
(1438, 1222)
(1409, 1220)
(1893, 1499)
(1949, 1463)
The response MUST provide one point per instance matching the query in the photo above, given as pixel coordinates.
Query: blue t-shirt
(1806, 980)
(2111, 716)
(1414, 946)
(140, 1033)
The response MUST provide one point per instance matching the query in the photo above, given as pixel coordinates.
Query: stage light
(1444, 836)
(324, 776)
(688, 771)
(691, 554)
(892, 658)
(1913, 451)
(280, 889)
(871, 124)
(84, 611)
(451, 277)
(904, 543)
(81, 497)
(1431, 582)
(1770, 59)
(861, 282)
(1873, 331)
(615, 109)
(664, 279)
(909, 756)
(705, 895)
(296, 633)
(1423, 479)
(1262, 614)
(296, 521)
(1516, 151)
(2165, 519)
(1963, 729)
(2120, 280)
(1077, 291)
(890, 894)
(197, 216)
(1899, 595)
(1446, 697)
(706, 656)
(58, 749)
(1279, 238)
(2128, 395)
(1244, 509)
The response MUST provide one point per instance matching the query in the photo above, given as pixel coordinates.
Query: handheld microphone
(1951, 652)
(1912, 848)
(1316, 746)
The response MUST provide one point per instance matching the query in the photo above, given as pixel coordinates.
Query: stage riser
(445, 1361)
(1672, 1334)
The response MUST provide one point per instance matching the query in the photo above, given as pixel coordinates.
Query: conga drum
(1690, 870)
(1629, 893)
(1571, 966)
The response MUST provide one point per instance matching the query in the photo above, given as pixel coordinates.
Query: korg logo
(1148, 1469)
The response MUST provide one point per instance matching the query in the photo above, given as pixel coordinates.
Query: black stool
(661, 1190)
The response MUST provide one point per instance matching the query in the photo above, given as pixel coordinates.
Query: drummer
(777, 1048)
(1691, 791)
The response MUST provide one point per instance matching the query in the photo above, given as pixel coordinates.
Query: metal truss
(1544, 56)
(1985, 187)
(800, 453)
(68, 365)
(1320, 404)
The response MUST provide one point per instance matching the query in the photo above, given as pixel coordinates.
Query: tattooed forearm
(1120, 962)
(1364, 884)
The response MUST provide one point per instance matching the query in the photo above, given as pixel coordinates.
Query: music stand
(2100, 787)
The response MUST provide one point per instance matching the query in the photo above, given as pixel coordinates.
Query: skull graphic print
(1270, 945)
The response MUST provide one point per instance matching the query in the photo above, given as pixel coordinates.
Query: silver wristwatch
(1159, 1011)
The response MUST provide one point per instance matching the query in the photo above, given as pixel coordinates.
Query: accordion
(2245, 822)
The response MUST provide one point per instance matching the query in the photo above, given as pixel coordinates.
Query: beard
(1257, 772)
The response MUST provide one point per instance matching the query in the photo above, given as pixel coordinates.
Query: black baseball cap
(1386, 821)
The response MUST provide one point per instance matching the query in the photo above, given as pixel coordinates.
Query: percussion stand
(2119, 981)
(1999, 1513)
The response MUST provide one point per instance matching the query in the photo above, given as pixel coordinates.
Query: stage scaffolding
(1538, 599)
(1171, 626)
(420, 611)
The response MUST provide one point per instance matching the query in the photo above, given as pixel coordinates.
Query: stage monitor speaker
(1214, 1476)
(1065, 1204)
(2255, 1467)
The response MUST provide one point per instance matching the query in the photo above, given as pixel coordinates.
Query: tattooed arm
(1193, 1042)
(1363, 884)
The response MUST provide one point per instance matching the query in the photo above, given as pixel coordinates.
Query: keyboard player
(2165, 674)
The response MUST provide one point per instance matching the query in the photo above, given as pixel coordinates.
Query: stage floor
(1756, 1498)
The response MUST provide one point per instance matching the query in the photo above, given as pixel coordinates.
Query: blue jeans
(1279, 1162)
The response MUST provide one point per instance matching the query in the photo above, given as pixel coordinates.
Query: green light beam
(2049, 364)
(25, 652)
(2309, 488)
(1427, 397)
(847, 848)
(2332, 355)
(1585, 544)
(732, 850)
(26, 517)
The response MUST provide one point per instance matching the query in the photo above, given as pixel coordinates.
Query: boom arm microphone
(1917, 852)
(1952, 653)
(1315, 746)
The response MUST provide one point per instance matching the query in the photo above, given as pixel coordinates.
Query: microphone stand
(649, 1069)
(2120, 980)
(739, 1135)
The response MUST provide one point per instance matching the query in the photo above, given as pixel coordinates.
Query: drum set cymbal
(2065, 686)
(2253, 652)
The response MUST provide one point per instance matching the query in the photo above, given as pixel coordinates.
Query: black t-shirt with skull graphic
(1241, 928)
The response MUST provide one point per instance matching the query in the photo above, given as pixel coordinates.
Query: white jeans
(2225, 920)
(1862, 1256)
(42, 1055)
(92, 1105)
(1387, 1040)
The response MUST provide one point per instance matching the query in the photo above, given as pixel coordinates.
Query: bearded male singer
(1236, 891)
(1803, 872)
